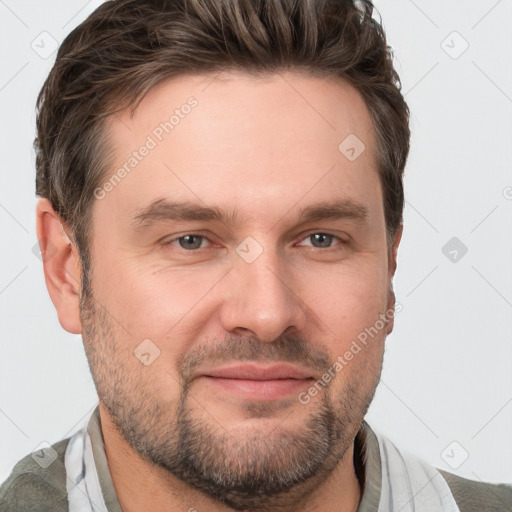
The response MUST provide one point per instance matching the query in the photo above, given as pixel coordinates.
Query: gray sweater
(32, 487)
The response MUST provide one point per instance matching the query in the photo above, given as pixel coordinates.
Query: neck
(140, 485)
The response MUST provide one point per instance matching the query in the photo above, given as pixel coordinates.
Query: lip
(258, 382)
(259, 372)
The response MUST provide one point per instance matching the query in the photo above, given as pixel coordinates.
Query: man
(220, 214)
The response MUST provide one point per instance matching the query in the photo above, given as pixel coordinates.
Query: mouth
(259, 382)
(260, 389)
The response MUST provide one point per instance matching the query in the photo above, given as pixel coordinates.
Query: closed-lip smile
(259, 372)
(258, 381)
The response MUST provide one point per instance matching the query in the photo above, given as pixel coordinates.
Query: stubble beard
(260, 469)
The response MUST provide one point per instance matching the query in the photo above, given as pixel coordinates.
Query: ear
(61, 263)
(392, 253)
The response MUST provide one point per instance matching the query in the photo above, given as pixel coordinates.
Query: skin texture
(268, 148)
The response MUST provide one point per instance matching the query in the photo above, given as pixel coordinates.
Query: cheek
(349, 306)
(154, 302)
(160, 304)
(347, 299)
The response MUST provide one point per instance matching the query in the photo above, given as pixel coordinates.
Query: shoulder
(37, 482)
(473, 496)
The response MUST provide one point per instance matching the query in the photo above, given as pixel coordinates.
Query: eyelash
(199, 235)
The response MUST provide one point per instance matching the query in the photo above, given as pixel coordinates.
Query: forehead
(257, 145)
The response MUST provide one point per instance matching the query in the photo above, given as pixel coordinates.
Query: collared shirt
(409, 484)
(73, 475)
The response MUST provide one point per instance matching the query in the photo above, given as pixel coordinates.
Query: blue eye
(194, 241)
(322, 240)
(189, 242)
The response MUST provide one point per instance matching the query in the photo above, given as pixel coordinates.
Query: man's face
(291, 272)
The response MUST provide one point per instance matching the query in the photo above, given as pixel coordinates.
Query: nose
(262, 299)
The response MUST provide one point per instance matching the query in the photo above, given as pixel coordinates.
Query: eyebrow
(165, 210)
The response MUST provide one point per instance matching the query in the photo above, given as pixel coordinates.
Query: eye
(322, 240)
(194, 241)
(189, 242)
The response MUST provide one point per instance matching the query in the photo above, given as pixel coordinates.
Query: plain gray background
(446, 390)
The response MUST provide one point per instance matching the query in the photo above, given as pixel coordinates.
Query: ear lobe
(61, 264)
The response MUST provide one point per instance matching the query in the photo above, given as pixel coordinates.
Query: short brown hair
(125, 47)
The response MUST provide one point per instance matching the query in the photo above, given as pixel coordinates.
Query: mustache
(286, 349)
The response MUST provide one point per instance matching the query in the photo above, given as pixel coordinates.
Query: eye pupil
(191, 242)
(323, 238)
(196, 241)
